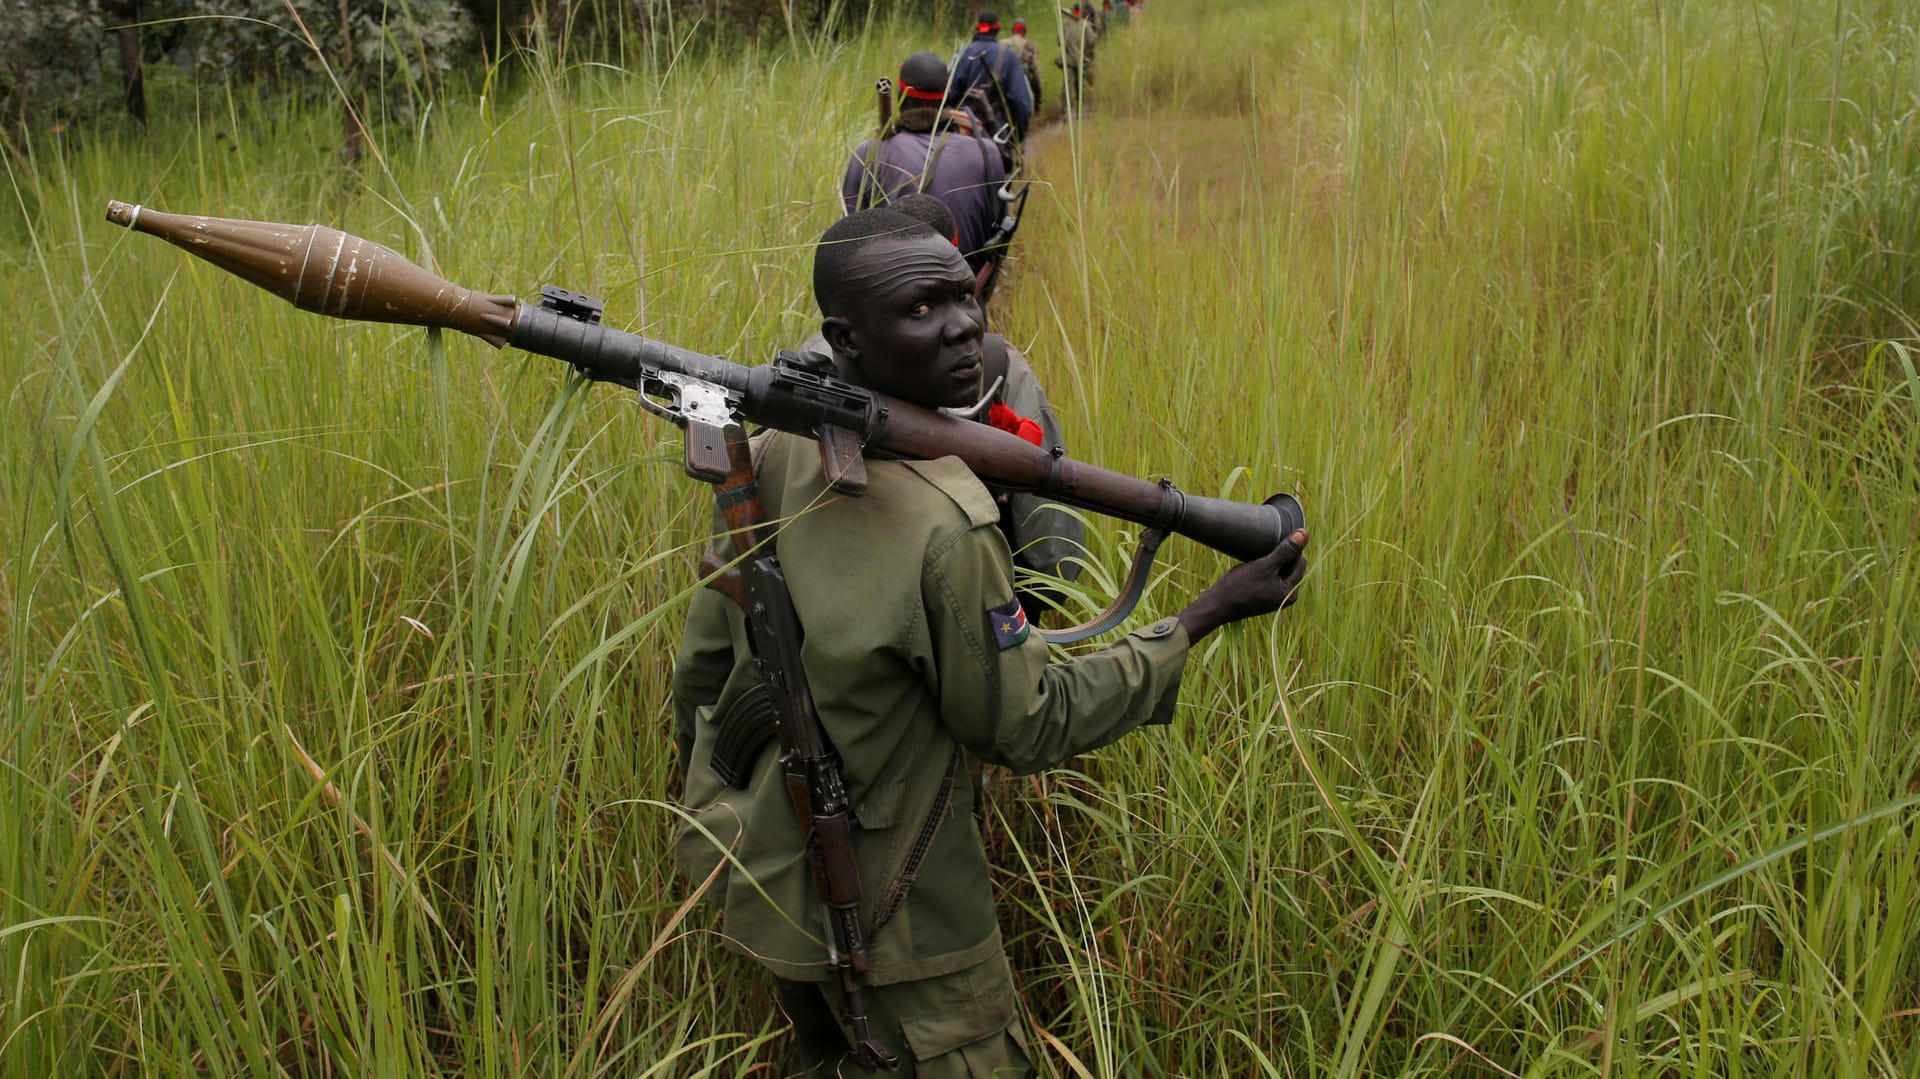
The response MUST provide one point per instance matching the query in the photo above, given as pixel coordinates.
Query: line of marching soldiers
(918, 667)
(957, 129)
(949, 152)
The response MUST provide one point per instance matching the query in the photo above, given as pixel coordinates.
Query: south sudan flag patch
(1009, 624)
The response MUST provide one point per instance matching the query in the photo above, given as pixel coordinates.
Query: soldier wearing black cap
(926, 149)
(988, 78)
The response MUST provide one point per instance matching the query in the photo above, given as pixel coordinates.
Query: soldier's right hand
(1259, 587)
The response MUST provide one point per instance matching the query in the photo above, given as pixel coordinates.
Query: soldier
(923, 150)
(918, 655)
(989, 79)
(1045, 538)
(1023, 47)
(1077, 41)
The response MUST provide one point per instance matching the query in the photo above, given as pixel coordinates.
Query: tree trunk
(356, 131)
(133, 77)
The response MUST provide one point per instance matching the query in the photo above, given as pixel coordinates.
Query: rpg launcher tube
(330, 272)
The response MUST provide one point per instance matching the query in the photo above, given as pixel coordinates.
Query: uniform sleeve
(701, 667)
(1044, 534)
(854, 178)
(1019, 95)
(998, 694)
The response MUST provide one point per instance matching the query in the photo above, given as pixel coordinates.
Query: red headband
(986, 27)
(922, 95)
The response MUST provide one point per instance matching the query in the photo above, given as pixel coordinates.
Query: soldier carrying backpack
(989, 80)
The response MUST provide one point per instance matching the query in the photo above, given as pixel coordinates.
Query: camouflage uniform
(918, 658)
(1029, 55)
(1077, 41)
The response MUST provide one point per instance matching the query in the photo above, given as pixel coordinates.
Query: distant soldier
(1077, 41)
(988, 78)
(924, 149)
(1116, 16)
(1029, 55)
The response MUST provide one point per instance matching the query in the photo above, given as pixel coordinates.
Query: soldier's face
(916, 333)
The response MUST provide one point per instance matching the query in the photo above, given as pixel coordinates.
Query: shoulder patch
(1009, 624)
(958, 482)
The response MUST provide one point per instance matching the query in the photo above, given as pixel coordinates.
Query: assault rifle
(816, 786)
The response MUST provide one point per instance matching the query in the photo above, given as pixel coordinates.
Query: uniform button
(1162, 628)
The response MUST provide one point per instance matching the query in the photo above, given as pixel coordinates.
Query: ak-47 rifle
(1013, 203)
(883, 97)
(811, 767)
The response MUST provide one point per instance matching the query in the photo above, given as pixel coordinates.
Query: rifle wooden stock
(335, 273)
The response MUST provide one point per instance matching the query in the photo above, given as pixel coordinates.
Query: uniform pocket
(880, 806)
(959, 1009)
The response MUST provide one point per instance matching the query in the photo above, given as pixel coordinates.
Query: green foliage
(1579, 327)
(51, 58)
(391, 50)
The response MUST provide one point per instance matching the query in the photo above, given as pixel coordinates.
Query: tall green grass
(335, 738)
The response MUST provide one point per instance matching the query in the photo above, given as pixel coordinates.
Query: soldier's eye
(921, 309)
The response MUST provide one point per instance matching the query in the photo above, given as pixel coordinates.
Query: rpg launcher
(330, 272)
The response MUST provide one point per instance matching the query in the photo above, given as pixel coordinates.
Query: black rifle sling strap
(896, 892)
(808, 762)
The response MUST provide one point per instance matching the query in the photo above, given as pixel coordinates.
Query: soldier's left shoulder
(956, 481)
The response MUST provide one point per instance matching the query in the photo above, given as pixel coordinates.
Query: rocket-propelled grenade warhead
(329, 272)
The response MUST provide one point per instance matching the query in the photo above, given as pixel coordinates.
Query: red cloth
(1013, 423)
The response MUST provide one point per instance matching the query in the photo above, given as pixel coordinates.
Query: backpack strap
(933, 160)
(994, 362)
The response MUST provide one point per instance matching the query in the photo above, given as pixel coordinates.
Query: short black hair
(927, 209)
(843, 242)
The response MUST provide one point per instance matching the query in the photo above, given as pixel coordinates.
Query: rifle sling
(903, 881)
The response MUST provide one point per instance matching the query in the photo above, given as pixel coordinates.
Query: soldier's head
(1020, 26)
(923, 81)
(897, 308)
(988, 23)
(929, 211)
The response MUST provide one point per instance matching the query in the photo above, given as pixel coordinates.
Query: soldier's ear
(839, 334)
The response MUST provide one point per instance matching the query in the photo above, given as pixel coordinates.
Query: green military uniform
(1045, 537)
(917, 658)
(1077, 41)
